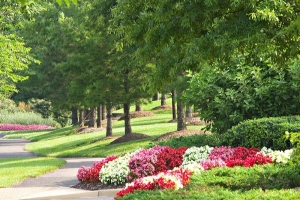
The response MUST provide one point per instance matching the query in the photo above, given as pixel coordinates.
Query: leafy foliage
(227, 96)
(196, 140)
(264, 132)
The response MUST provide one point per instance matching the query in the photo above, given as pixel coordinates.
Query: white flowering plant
(196, 154)
(277, 155)
(116, 171)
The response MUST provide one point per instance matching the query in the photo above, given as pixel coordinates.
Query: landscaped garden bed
(21, 127)
(163, 167)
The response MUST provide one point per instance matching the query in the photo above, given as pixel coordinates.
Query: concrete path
(54, 185)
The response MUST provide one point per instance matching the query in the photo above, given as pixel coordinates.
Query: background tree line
(231, 60)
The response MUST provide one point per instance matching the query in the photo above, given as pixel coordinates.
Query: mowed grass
(66, 142)
(15, 170)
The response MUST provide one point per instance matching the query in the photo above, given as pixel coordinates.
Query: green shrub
(295, 140)
(195, 140)
(268, 132)
(41, 106)
(26, 118)
(8, 105)
(229, 93)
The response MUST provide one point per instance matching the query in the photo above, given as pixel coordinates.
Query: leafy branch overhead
(60, 2)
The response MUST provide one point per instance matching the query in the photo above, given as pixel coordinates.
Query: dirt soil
(137, 114)
(177, 134)
(96, 186)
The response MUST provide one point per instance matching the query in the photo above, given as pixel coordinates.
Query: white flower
(196, 154)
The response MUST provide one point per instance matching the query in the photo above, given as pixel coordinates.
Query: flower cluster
(247, 157)
(196, 154)
(20, 127)
(212, 163)
(143, 162)
(278, 156)
(222, 153)
(172, 179)
(116, 171)
(169, 158)
(157, 167)
(91, 174)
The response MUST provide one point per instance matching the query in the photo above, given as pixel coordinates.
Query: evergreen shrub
(263, 132)
(212, 140)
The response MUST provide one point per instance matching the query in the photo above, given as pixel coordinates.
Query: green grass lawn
(15, 170)
(66, 142)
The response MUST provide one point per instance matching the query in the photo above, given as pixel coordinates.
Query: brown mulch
(130, 137)
(191, 121)
(96, 186)
(137, 114)
(163, 107)
(177, 134)
(82, 130)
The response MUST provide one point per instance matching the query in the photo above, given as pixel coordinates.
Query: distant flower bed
(20, 127)
(162, 167)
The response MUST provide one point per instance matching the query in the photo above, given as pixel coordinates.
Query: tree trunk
(126, 105)
(163, 100)
(127, 119)
(91, 118)
(99, 116)
(138, 107)
(104, 112)
(109, 120)
(181, 125)
(74, 116)
(81, 117)
(188, 111)
(86, 117)
(173, 104)
(155, 97)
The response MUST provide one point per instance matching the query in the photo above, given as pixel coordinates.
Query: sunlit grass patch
(15, 170)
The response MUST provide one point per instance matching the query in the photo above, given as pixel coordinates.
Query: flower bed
(162, 167)
(91, 174)
(20, 127)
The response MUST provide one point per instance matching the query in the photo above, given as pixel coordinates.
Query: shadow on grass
(55, 133)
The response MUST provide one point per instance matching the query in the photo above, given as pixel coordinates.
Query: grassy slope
(66, 142)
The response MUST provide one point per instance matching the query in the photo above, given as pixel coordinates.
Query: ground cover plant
(259, 182)
(20, 127)
(15, 170)
(145, 171)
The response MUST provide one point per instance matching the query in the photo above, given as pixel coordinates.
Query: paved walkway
(54, 185)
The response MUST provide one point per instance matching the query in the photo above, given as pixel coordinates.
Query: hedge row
(268, 132)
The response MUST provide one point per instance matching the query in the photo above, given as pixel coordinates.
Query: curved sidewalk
(53, 185)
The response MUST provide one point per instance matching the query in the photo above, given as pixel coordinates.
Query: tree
(15, 56)
(188, 35)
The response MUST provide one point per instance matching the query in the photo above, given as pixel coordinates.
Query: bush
(295, 140)
(8, 105)
(26, 118)
(234, 92)
(195, 140)
(264, 132)
(41, 106)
